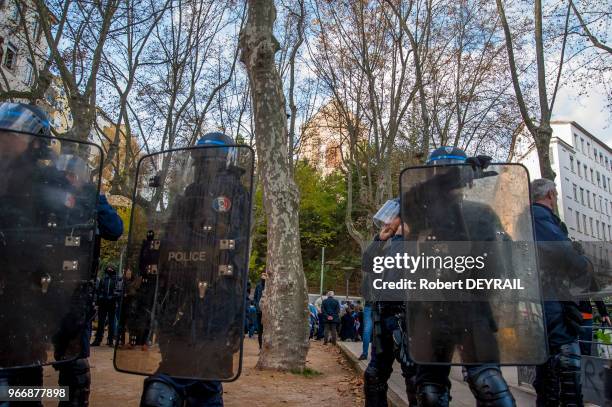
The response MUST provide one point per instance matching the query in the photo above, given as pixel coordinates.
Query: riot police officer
(17, 151)
(57, 196)
(486, 381)
(388, 342)
(198, 315)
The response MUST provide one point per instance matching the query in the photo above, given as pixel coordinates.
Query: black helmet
(23, 117)
(446, 155)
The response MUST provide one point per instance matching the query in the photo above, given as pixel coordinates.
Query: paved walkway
(460, 392)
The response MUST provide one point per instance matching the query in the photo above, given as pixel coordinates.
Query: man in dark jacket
(558, 380)
(331, 315)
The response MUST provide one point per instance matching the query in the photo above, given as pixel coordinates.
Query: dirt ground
(337, 384)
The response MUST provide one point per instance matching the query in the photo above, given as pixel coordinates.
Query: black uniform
(448, 218)
(200, 286)
(388, 344)
(48, 227)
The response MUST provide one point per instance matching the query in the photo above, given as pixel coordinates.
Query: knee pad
(409, 373)
(373, 379)
(77, 377)
(490, 388)
(158, 393)
(432, 395)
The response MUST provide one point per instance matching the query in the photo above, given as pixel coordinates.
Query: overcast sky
(588, 111)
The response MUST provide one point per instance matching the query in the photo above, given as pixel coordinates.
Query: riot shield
(187, 264)
(48, 196)
(473, 294)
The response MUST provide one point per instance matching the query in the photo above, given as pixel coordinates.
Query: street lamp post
(348, 272)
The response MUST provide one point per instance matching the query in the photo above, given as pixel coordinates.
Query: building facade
(23, 47)
(583, 165)
(325, 141)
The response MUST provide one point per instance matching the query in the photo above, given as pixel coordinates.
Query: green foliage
(322, 213)
(604, 337)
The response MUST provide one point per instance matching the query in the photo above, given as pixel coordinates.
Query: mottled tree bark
(284, 305)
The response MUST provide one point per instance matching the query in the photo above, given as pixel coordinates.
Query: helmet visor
(446, 159)
(15, 117)
(389, 211)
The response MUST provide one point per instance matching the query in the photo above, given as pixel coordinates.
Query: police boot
(157, 393)
(374, 388)
(547, 384)
(409, 373)
(75, 375)
(568, 366)
(432, 395)
(490, 388)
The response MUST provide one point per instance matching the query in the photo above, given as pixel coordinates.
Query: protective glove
(480, 161)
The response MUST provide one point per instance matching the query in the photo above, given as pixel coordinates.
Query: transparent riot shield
(48, 195)
(186, 267)
(471, 290)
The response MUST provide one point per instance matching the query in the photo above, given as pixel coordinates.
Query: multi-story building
(325, 142)
(23, 47)
(583, 165)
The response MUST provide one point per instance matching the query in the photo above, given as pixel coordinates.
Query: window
(29, 73)
(581, 144)
(576, 141)
(14, 13)
(597, 227)
(586, 173)
(592, 178)
(606, 206)
(579, 173)
(575, 192)
(600, 204)
(595, 153)
(603, 230)
(584, 225)
(601, 161)
(598, 179)
(582, 195)
(572, 163)
(578, 221)
(588, 149)
(603, 181)
(591, 226)
(588, 198)
(10, 60)
(36, 30)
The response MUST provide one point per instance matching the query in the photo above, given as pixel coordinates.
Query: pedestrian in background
(107, 297)
(331, 315)
(251, 318)
(259, 290)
